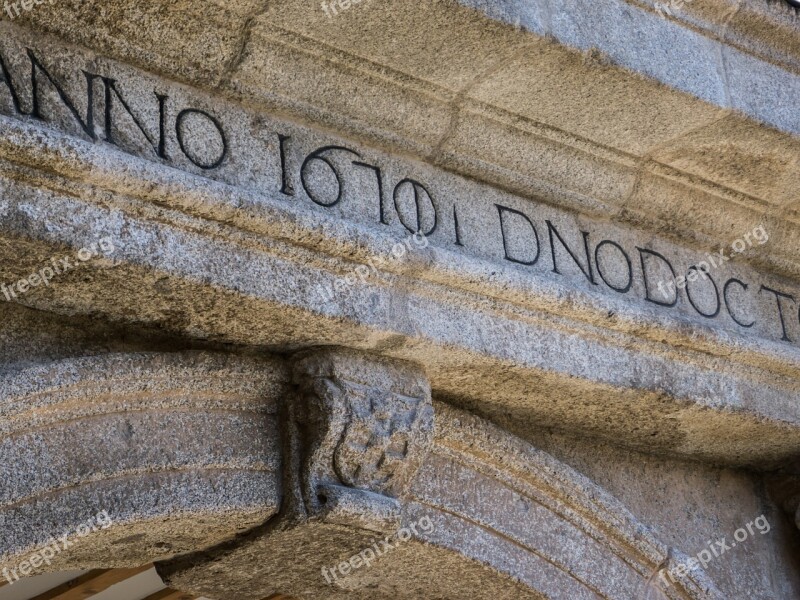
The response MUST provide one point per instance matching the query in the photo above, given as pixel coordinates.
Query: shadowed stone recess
(785, 488)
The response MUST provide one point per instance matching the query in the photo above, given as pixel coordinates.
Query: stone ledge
(657, 379)
(198, 241)
(444, 104)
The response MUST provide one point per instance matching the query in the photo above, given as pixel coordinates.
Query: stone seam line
(245, 35)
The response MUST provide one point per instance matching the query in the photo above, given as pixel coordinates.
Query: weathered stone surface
(179, 450)
(258, 256)
(785, 488)
(690, 506)
(480, 497)
(365, 424)
(589, 308)
(295, 58)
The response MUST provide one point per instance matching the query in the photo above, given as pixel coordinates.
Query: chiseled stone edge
(578, 28)
(24, 152)
(81, 165)
(766, 29)
(296, 240)
(67, 387)
(482, 156)
(541, 479)
(501, 148)
(164, 496)
(154, 516)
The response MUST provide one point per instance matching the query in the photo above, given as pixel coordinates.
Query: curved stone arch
(180, 451)
(217, 460)
(540, 510)
(463, 510)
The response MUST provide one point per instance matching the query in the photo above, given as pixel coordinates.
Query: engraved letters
(177, 131)
(41, 75)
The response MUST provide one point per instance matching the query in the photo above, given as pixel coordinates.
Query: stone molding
(516, 311)
(220, 488)
(543, 530)
(764, 29)
(684, 377)
(181, 450)
(487, 132)
(261, 475)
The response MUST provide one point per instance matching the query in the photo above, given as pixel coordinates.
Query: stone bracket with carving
(364, 426)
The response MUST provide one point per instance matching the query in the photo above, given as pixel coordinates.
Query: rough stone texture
(490, 499)
(785, 489)
(592, 123)
(365, 427)
(613, 355)
(289, 56)
(688, 504)
(181, 451)
(29, 337)
(413, 570)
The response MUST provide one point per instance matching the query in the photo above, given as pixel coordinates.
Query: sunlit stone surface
(403, 300)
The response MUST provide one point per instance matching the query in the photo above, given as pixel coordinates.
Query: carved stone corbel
(356, 430)
(380, 502)
(364, 426)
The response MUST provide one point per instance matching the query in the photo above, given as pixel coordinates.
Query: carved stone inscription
(112, 104)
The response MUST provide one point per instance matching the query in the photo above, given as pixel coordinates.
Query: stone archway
(332, 474)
